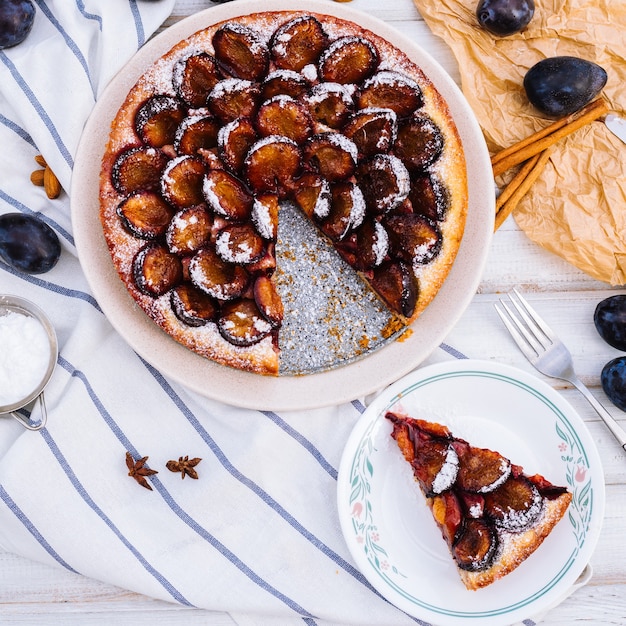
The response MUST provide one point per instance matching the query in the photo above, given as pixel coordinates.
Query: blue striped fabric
(258, 533)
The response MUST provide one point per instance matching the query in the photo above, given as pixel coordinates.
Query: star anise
(137, 470)
(184, 465)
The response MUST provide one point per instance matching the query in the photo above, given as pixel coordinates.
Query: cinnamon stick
(548, 136)
(516, 181)
(520, 191)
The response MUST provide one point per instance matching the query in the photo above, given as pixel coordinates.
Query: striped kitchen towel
(258, 532)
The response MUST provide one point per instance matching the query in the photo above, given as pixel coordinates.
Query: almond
(40, 160)
(37, 178)
(51, 184)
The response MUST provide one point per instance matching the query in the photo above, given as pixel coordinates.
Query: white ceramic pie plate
(390, 530)
(338, 385)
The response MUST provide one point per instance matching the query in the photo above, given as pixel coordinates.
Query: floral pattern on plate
(383, 514)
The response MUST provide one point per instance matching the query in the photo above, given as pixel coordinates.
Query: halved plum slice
(373, 130)
(475, 546)
(313, 196)
(196, 132)
(419, 143)
(268, 300)
(233, 98)
(181, 183)
(545, 487)
(138, 169)
(266, 265)
(227, 195)
(372, 245)
(413, 238)
(265, 215)
(242, 324)
(298, 42)
(189, 230)
(396, 284)
(473, 503)
(240, 51)
(272, 164)
(191, 306)
(145, 214)
(193, 78)
(385, 182)
(481, 470)
(332, 155)
(436, 466)
(282, 115)
(284, 83)
(239, 243)
(157, 119)
(217, 278)
(348, 60)
(234, 142)
(388, 89)
(156, 270)
(429, 196)
(346, 212)
(330, 104)
(514, 505)
(448, 514)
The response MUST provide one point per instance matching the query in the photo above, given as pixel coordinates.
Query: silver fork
(547, 353)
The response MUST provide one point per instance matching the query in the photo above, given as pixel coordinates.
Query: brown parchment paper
(577, 208)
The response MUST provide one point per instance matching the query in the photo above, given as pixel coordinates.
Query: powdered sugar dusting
(321, 91)
(323, 200)
(240, 253)
(447, 474)
(262, 219)
(381, 243)
(391, 79)
(357, 212)
(270, 139)
(225, 131)
(213, 199)
(166, 178)
(347, 145)
(310, 72)
(229, 86)
(401, 176)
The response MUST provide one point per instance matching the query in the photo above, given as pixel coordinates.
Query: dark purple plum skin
(16, 20)
(560, 86)
(27, 244)
(609, 319)
(613, 379)
(505, 17)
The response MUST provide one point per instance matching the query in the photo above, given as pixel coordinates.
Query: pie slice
(491, 514)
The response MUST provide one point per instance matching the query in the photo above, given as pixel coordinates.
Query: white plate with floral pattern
(390, 530)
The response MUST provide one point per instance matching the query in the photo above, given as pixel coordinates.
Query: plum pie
(491, 514)
(247, 115)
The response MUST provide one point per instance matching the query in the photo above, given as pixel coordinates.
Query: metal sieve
(15, 304)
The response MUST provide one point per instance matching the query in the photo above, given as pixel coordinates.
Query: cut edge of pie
(491, 515)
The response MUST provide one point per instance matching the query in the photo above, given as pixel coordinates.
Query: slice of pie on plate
(491, 514)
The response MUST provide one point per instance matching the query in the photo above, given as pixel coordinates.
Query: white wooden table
(34, 594)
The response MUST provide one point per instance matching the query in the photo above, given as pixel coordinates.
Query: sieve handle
(26, 423)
